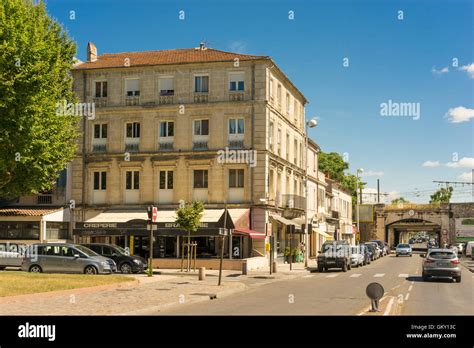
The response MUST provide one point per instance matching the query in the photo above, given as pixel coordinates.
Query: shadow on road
(435, 280)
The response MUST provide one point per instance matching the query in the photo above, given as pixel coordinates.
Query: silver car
(403, 249)
(441, 263)
(11, 254)
(67, 258)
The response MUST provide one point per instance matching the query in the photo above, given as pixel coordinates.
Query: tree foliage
(333, 165)
(189, 216)
(36, 56)
(443, 195)
(400, 200)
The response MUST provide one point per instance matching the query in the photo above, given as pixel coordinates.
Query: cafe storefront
(129, 230)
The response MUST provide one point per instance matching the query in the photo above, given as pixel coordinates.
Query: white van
(469, 247)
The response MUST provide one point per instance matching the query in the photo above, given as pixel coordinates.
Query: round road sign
(374, 291)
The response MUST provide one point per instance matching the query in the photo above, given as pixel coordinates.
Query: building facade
(187, 125)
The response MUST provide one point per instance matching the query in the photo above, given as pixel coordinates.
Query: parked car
(67, 258)
(371, 251)
(126, 263)
(460, 247)
(468, 249)
(334, 254)
(441, 263)
(377, 251)
(387, 248)
(403, 249)
(357, 256)
(381, 245)
(11, 254)
(366, 253)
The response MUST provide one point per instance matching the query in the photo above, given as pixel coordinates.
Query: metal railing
(236, 144)
(99, 148)
(100, 102)
(166, 146)
(132, 147)
(131, 101)
(201, 97)
(44, 199)
(293, 201)
(236, 96)
(166, 99)
(200, 145)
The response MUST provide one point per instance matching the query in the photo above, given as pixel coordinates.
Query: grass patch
(19, 283)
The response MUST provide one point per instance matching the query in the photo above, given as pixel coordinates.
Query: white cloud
(371, 173)
(238, 47)
(459, 114)
(467, 176)
(431, 164)
(465, 162)
(469, 68)
(441, 71)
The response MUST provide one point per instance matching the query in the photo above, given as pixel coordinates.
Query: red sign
(154, 214)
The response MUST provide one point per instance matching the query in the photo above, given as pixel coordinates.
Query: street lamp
(309, 124)
(271, 241)
(360, 170)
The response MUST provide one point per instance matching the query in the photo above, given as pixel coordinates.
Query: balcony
(45, 199)
(201, 97)
(98, 148)
(236, 96)
(166, 145)
(236, 143)
(166, 99)
(335, 214)
(100, 102)
(132, 100)
(200, 145)
(294, 202)
(132, 147)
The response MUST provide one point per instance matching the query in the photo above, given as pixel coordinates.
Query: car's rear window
(403, 245)
(442, 255)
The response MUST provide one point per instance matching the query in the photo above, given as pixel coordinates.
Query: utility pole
(222, 246)
(378, 191)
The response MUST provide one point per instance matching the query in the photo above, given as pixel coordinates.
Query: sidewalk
(145, 295)
(468, 263)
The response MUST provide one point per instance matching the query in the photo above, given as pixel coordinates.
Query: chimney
(202, 46)
(91, 52)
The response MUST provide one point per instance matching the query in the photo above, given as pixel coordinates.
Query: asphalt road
(339, 293)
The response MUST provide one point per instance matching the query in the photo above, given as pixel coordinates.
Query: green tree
(400, 200)
(36, 56)
(443, 195)
(349, 182)
(332, 164)
(188, 216)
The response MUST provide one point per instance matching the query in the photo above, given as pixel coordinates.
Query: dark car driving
(371, 251)
(125, 263)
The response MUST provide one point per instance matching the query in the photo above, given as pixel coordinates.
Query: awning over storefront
(251, 233)
(285, 221)
(324, 234)
(133, 222)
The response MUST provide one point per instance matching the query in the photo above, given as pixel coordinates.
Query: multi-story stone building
(185, 125)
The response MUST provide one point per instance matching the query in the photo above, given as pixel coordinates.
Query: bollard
(202, 273)
(274, 266)
(244, 268)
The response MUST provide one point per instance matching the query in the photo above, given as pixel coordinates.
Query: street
(338, 293)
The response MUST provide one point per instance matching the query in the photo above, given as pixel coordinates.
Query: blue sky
(389, 59)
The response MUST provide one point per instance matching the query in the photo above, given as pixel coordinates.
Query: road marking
(403, 275)
(355, 275)
(410, 287)
(395, 287)
(379, 275)
(412, 283)
(370, 307)
(389, 306)
(332, 276)
(309, 276)
(407, 296)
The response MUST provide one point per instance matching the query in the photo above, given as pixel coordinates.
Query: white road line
(412, 283)
(370, 307)
(395, 287)
(309, 276)
(403, 275)
(379, 275)
(410, 287)
(332, 276)
(389, 306)
(355, 275)
(407, 296)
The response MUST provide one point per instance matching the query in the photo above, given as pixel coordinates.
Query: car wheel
(344, 267)
(411, 255)
(424, 277)
(320, 269)
(125, 268)
(458, 279)
(349, 266)
(397, 255)
(326, 269)
(2, 268)
(90, 270)
(36, 269)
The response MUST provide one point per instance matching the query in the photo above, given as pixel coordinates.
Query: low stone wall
(233, 265)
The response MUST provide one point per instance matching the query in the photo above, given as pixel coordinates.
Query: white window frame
(160, 80)
(208, 83)
(236, 76)
(134, 94)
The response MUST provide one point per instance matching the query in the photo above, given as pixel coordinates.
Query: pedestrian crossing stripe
(403, 275)
(355, 275)
(379, 275)
(332, 276)
(308, 276)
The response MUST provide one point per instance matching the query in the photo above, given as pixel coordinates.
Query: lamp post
(271, 241)
(309, 124)
(360, 170)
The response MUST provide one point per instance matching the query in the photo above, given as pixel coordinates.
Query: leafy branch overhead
(36, 57)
